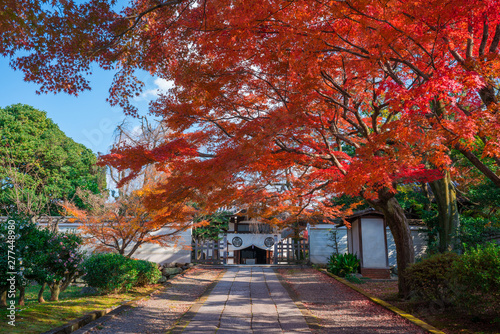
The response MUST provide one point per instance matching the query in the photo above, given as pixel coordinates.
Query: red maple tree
(283, 105)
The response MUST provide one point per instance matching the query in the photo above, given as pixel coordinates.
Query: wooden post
(224, 245)
(275, 249)
(288, 247)
(196, 250)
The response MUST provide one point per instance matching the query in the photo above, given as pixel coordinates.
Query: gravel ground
(160, 312)
(340, 309)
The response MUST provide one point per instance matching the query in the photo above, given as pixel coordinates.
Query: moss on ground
(38, 318)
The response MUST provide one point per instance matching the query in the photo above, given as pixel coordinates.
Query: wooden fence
(290, 251)
(208, 251)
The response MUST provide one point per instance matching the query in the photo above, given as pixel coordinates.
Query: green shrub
(431, 279)
(477, 230)
(477, 278)
(110, 272)
(148, 272)
(342, 264)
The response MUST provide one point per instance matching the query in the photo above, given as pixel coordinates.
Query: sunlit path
(248, 300)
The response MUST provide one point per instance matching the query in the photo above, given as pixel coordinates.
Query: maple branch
(389, 24)
(484, 39)
(409, 64)
(454, 53)
(478, 164)
(312, 191)
(363, 126)
(340, 49)
(220, 128)
(335, 132)
(285, 148)
(137, 18)
(353, 45)
(388, 69)
(137, 244)
(496, 40)
(327, 78)
(470, 43)
(275, 89)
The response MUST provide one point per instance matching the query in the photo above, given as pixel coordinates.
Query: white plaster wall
(419, 237)
(178, 250)
(373, 243)
(321, 247)
(321, 250)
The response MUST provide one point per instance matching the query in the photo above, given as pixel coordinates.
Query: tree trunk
(396, 220)
(55, 289)
(22, 293)
(3, 298)
(40, 293)
(449, 220)
(67, 281)
(428, 206)
(483, 168)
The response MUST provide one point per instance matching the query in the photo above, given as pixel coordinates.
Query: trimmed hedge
(431, 279)
(471, 281)
(477, 278)
(111, 272)
(148, 272)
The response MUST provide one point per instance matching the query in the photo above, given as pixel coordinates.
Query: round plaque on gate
(237, 242)
(269, 242)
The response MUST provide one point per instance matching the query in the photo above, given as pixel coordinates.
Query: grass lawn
(38, 318)
(443, 317)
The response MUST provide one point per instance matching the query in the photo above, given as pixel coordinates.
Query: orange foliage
(125, 224)
(280, 92)
(281, 105)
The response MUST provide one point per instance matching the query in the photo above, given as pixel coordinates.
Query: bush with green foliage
(343, 264)
(431, 279)
(111, 272)
(476, 276)
(50, 258)
(148, 272)
(470, 281)
(62, 260)
(475, 231)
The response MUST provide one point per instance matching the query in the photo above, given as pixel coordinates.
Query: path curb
(93, 319)
(184, 320)
(392, 308)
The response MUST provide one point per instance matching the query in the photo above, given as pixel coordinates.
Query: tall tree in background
(125, 223)
(39, 165)
(325, 97)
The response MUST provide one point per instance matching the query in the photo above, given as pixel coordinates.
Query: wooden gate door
(292, 251)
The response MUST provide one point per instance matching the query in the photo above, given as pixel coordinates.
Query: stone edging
(184, 320)
(89, 321)
(392, 308)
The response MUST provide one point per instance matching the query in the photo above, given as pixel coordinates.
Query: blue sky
(88, 118)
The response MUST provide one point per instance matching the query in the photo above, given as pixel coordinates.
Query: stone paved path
(159, 313)
(248, 300)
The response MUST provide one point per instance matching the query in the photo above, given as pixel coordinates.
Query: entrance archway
(253, 255)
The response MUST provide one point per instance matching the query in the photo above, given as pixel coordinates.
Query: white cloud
(162, 86)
